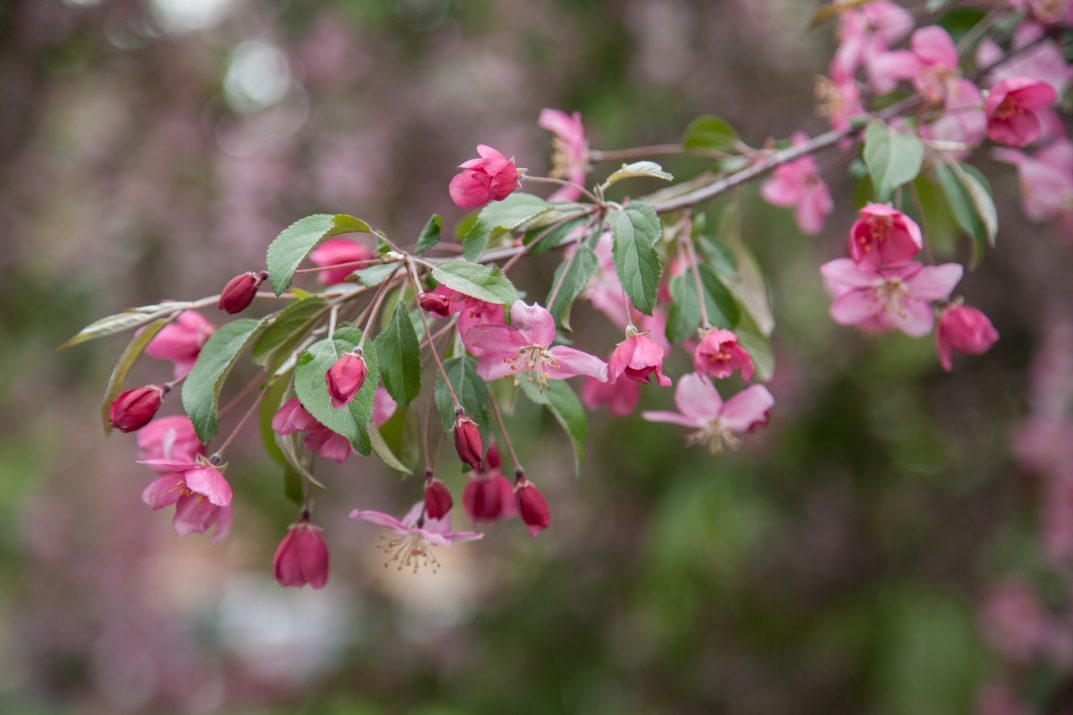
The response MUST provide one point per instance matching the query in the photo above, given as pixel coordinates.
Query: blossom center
(715, 437)
(534, 360)
(407, 551)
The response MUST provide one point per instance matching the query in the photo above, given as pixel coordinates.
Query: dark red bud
(438, 499)
(493, 457)
(133, 409)
(240, 292)
(468, 441)
(531, 506)
(345, 378)
(434, 303)
(488, 498)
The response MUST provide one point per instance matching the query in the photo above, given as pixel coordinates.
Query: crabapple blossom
(341, 252)
(715, 424)
(883, 236)
(532, 506)
(345, 378)
(964, 329)
(434, 303)
(1012, 107)
(181, 340)
(240, 292)
(199, 492)
(467, 439)
(302, 557)
(638, 358)
(409, 541)
(570, 157)
(1046, 180)
(292, 418)
(488, 496)
(491, 177)
(134, 408)
(719, 354)
(169, 438)
(796, 184)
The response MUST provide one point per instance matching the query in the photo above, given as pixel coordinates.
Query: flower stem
(412, 273)
(503, 431)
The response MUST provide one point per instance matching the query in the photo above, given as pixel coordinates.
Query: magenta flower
(470, 311)
(338, 252)
(889, 298)
(345, 378)
(180, 341)
(410, 539)
(964, 329)
(291, 418)
(532, 507)
(492, 177)
(797, 185)
(883, 236)
(169, 439)
(570, 157)
(719, 354)
(525, 347)
(716, 424)
(240, 292)
(133, 409)
(1012, 107)
(1046, 180)
(620, 395)
(637, 357)
(201, 495)
(302, 557)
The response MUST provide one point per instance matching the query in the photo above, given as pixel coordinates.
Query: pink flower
(1046, 180)
(524, 347)
(341, 252)
(180, 341)
(345, 377)
(492, 177)
(532, 506)
(890, 298)
(240, 292)
(488, 496)
(620, 395)
(1047, 12)
(133, 409)
(796, 184)
(1014, 621)
(936, 62)
(170, 439)
(201, 495)
(467, 438)
(716, 424)
(384, 406)
(864, 38)
(410, 539)
(962, 121)
(964, 329)
(302, 557)
(292, 418)
(883, 235)
(1043, 61)
(719, 354)
(471, 311)
(839, 101)
(637, 357)
(1011, 110)
(570, 157)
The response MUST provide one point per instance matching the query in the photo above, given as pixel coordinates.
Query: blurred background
(897, 542)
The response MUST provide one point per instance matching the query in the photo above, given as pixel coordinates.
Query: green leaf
(683, 318)
(383, 451)
(571, 277)
(376, 274)
(294, 243)
(719, 256)
(485, 283)
(638, 170)
(123, 365)
(351, 420)
(723, 309)
(400, 357)
(636, 229)
(555, 236)
(568, 411)
(128, 319)
(271, 400)
(202, 386)
(711, 133)
(971, 203)
(500, 217)
(430, 234)
(472, 391)
(748, 285)
(759, 349)
(893, 157)
(287, 329)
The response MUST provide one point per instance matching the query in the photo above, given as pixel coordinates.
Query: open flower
(884, 235)
(291, 418)
(716, 424)
(888, 298)
(796, 184)
(1012, 107)
(525, 348)
(638, 357)
(719, 354)
(934, 69)
(1046, 180)
(341, 252)
(491, 177)
(201, 495)
(964, 329)
(170, 439)
(181, 340)
(570, 158)
(409, 541)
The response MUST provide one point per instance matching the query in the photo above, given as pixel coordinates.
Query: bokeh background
(897, 541)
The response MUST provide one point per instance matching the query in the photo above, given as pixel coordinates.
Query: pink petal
(935, 282)
(913, 317)
(855, 306)
(673, 418)
(534, 322)
(933, 46)
(494, 366)
(573, 362)
(210, 483)
(697, 398)
(746, 408)
(470, 189)
(381, 519)
(164, 491)
(845, 273)
(194, 514)
(494, 339)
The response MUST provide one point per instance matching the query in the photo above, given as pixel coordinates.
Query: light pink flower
(292, 418)
(180, 341)
(338, 252)
(1043, 61)
(716, 424)
(1046, 180)
(797, 185)
(410, 539)
(935, 66)
(201, 495)
(964, 329)
(570, 157)
(889, 298)
(719, 354)
(637, 357)
(492, 177)
(839, 101)
(525, 347)
(620, 395)
(883, 236)
(171, 439)
(962, 121)
(302, 557)
(1012, 107)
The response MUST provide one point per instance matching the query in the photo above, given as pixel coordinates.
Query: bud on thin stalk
(468, 441)
(438, 501)
(433, 303)
(531, 506)
(345, 378)
(134, 408)
(240, 292)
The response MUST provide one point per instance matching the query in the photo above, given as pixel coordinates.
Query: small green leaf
(202, 386)
(271, 400)
(636, 229)
(683, 318)
(383, 451)
(571, 277)
(127, 320)
(568, 411)
(759, 349)
(711, 133)
(893, 157)
(971, 204)
(555, 236)
(723, 309)
(123, 365)
(498, 217)
(400, 357)
(294, 243)
(472, 391)
(485, 283)
(287, 329)
(748, 284)
(376, 274)
(638, 170)
(430, 234)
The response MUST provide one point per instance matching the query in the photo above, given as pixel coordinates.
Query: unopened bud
(434, 303)
(240, 292)
(302, 557)
(438, 501)
(531, 506)
(345, 378)
(468, 441)
(493, 457)
(134, 408)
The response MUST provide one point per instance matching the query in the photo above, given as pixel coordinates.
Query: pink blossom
(345, 378)
(883, 236)
(1012, 107)
(292, 418)
(492, 177)
(302, 557)
(719, 354)
(570, 157)
(864, 38)
(1042, 61)
(964, 329)
(384, 406)
(935, 62)
(620, 395)
(637, 357)
(438, 500)
(1014, 620)
(1047, 12)
(470, 311)
(895, 297)
(839, 101)
(410, 539)
(240, 292)
(1046, 180)
(170, 439)
(532, 507)
(524, 347)
(962, 121)
(716, 424)
(180, 341)
(338, 252)
(796, 184)
(201, 495)
(133, 408)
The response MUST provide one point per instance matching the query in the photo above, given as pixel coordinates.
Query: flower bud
(438, 499)
(964, 329)
(468, 441)
(133, 409)
(531, 506)
(345, 378)
(492, 458)
(434, 303)
(240, 292)
(488, 498)
(302, 557)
